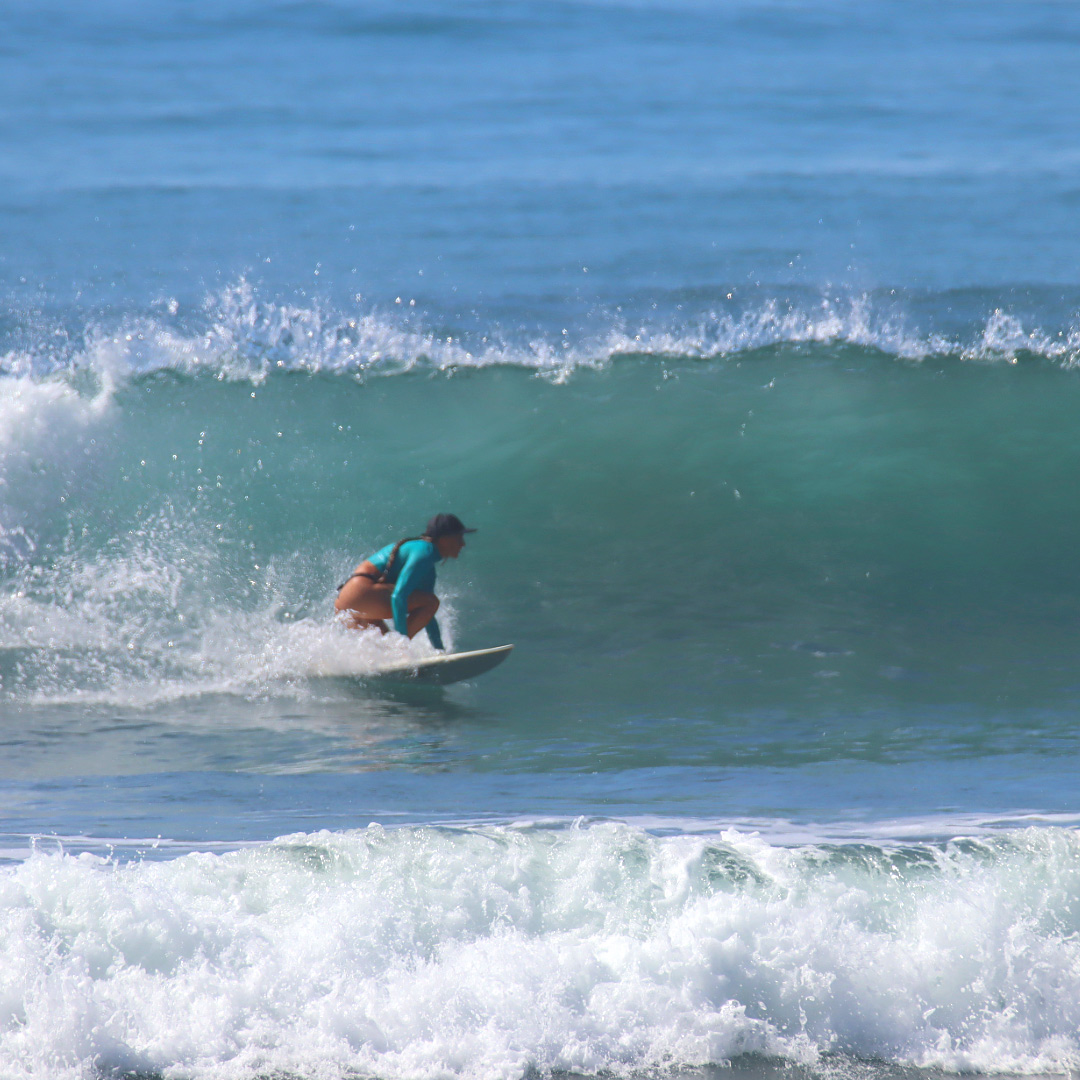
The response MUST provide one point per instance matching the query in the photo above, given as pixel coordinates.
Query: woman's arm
(399, 601)
(434, 634)
(416, 573)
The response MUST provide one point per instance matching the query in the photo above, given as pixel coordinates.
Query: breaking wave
(237, 334)
(170, 492)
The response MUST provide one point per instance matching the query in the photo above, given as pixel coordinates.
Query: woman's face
(450, 545)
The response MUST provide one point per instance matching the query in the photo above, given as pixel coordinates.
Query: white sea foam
(489, 952)
(163, 613)
(108, 650)
(248, 338)
(48, 446)
(239, 335)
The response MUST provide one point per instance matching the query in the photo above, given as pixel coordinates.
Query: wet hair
(385, 575)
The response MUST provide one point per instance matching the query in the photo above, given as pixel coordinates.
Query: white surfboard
(443, 669)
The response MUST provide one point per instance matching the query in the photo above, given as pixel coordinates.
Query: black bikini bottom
(360, 573)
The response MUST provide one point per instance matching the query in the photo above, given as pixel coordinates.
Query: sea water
(746, 332)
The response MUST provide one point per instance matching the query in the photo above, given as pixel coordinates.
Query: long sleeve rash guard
(414, 568)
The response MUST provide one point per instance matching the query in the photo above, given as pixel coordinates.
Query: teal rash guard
(414, 568)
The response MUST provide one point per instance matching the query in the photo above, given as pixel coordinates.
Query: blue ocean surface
(747, 334)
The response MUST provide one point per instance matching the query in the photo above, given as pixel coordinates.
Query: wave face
(499, 951)
(815, 496)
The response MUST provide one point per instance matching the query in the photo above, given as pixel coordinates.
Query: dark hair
(385, 575)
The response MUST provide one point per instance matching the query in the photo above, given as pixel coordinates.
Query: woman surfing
(397, 583)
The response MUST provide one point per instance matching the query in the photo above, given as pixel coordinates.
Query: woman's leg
(367, 603)
(422, 608)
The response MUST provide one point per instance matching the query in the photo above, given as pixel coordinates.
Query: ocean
(747, 335)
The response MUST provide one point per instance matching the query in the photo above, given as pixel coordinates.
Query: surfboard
(443, 669)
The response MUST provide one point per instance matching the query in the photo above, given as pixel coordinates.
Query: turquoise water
(746, 334)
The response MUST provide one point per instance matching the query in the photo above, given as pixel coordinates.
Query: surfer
(397, 583)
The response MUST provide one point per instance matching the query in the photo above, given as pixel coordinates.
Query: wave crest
(240, 335)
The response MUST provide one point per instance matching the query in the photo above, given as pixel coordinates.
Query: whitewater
(497, 951)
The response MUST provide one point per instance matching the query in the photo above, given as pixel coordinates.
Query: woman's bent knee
(428, 603)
